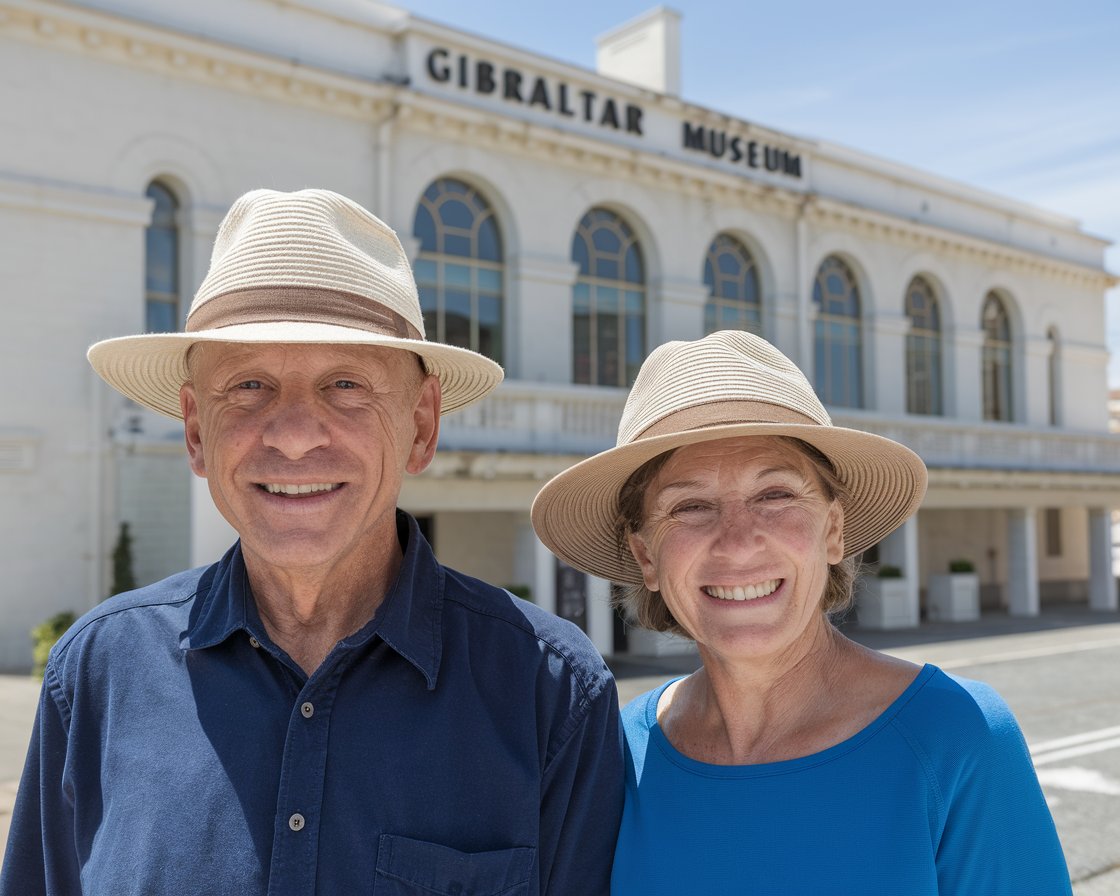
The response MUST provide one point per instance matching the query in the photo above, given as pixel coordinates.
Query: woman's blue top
(936, 796)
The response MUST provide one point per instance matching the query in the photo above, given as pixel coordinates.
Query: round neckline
(784, 766)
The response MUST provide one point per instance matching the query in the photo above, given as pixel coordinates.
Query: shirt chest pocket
(407, 867)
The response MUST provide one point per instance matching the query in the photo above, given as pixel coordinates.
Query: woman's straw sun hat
(726, 385)
(304, 267)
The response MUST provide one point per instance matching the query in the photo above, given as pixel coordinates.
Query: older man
(326, 709)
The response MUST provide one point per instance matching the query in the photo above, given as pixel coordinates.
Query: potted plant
(885, 600)
(955, 596)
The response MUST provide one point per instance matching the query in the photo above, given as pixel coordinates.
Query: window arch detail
(837, 344)
(996, 359)
(608, 301)
(734, 297)
(459, 269)
(161, 262)
(923, 349)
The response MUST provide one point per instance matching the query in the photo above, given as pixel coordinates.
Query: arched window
(608, 301)
(837, 361)
(459, 268)
(731, 276)
(923, 349)
(1054, 371)
(161, 262)
(996, 359)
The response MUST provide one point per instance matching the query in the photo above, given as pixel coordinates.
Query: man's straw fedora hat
(728, 384)
(304, 267)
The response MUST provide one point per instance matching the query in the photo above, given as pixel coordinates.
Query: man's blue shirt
(463, 741)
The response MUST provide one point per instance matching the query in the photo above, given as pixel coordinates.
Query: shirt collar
(409, 619)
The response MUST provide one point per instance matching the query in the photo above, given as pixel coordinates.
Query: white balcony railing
(543, 418)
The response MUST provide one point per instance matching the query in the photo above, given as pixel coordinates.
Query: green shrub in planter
(44, 636)
(886, 571)
(961, 566)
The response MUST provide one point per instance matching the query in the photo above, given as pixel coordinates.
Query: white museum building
(561, 220)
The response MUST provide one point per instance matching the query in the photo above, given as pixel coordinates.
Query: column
(900, 549)
(600, 618)
(1102, 583)
(534, 565)
(886, 380)
(539, 319)
(1022, 562)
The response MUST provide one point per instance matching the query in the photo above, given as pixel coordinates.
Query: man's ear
(192, 430)
(425, 419)
(645, 560)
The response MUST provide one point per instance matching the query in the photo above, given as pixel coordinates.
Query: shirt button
(253, 642)
(308, 710)
(296, 822)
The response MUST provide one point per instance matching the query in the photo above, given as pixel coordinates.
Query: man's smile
(278, 488)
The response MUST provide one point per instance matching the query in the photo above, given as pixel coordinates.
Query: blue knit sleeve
(996, 835)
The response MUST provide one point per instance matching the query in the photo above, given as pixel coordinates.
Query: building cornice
(155, 49)
(73, 200)
(203, 60)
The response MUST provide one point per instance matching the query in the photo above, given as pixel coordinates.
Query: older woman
(794, 761)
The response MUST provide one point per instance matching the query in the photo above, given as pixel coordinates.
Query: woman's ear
(642, 554)
(834, 534)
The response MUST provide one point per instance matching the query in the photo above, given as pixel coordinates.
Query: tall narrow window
(923, 349)
(608, 301)
(459, 268)
(996, 359)
(731, 276)
(1054, 371)
(161, 262)
(837, 362)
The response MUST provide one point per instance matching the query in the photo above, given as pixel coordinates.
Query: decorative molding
(19, 451)
(73, 200)
(155, 49)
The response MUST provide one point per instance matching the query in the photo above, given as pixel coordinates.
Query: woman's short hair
(647, 608)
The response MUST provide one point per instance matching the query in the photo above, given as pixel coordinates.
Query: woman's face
(737, 537)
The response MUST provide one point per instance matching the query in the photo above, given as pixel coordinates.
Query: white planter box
(953, 597)
(886, 603)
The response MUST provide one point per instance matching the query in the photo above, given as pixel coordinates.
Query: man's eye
(249, 384)
(777, 494)
(345, 384)
(692, 508)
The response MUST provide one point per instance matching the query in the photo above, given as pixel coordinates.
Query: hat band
(725, 413)
(297, 303)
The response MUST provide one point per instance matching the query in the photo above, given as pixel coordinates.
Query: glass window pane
(424, 228)
(489, 280)
(489, 243)
(457, 275)
(606, 269)
(606, 241)
(457, 318)
(161, 248)
(634, 265)
(606, 300)
(455, 213)
(425, 271)
(580, 256)
(581, 297)
(160, 317)
(607, 356)
(454, 244)
(581, 348)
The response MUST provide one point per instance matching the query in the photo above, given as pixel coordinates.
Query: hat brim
(575, 514)
(150, 369)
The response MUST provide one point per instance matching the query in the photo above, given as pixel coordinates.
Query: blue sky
(1018, 98)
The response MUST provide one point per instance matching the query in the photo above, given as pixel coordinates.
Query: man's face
(304, 447)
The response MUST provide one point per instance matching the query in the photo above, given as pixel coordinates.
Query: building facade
(561, 220)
